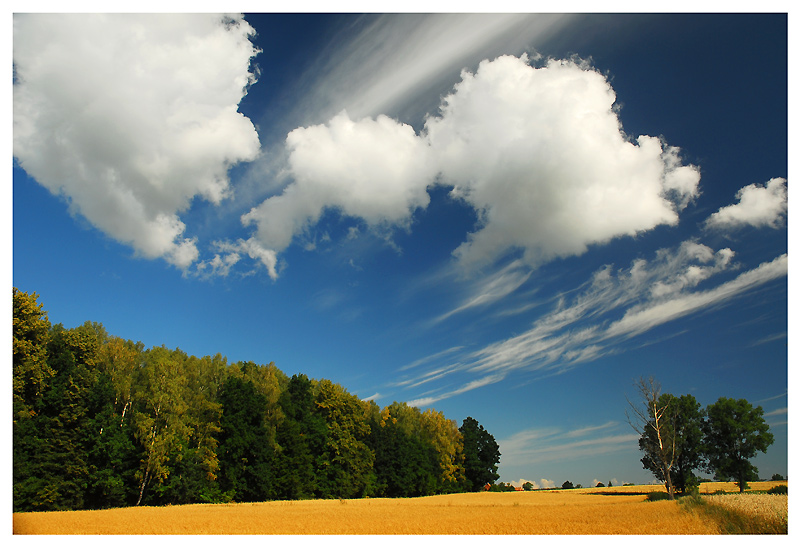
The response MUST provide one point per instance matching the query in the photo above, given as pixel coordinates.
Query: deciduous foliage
(57, 428)
(31, 328)
(654, 419)
(344, 468)
(734, 432)
(245, 452)
(405, 461)
(677, 437)
(160, 416)
(447, 444)
(686, 419)
(101, 422)
(481, 455)
(301, 435)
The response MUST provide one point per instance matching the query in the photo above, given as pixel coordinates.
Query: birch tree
(653, 419)
(159, 418)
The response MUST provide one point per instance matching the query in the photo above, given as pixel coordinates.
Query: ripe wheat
(773, 508)
(498, 513)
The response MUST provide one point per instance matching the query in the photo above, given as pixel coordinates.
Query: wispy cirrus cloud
(778, 412)
(767, 339)
(491, 287)
(469, 386)
(536, 446)
(395, 64)
(433, 357)
(595, 320)
(642, 318)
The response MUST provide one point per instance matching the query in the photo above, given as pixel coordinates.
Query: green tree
(345, 466)
(654, 420)
(31, 377)
(300, 437)
(113, 456)
(245, 454)
(51, 448)
(734, 432)
(120, 360)
(481, 455)
(160, 418)
(31, 329)
(406, 464)
(528, 486)
(566, 486)
(684, 425)
(447, 445)
(194, 464)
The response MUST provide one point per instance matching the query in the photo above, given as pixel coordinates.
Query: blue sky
(505, 217)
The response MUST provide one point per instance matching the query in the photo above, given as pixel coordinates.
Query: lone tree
(654, 420)
(734, 432)
(567, 485)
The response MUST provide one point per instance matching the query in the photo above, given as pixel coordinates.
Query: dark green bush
(780, 489)
(657, 496)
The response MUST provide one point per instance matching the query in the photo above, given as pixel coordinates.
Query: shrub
(657, 496)
(780, 489)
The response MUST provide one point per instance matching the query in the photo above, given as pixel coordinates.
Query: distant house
(518, 488)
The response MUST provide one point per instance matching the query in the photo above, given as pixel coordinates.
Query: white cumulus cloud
(762, 206)
(131, 116)
(539, 153)
(373, 169)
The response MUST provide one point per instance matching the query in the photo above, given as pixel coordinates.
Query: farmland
(582, 511)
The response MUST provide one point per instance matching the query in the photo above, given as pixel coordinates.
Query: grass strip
(733, 521)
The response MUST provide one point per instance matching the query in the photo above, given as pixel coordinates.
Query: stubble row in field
(537, 512)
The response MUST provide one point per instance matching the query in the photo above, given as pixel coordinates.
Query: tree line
(103, 422)
(679, 437)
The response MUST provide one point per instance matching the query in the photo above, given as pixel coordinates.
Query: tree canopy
(481, 455)
(102, 422)
(678, 437)
(734, 431)
(684, 426)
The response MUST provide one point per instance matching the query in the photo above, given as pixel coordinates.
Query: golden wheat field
(582, 511)
(769, 508)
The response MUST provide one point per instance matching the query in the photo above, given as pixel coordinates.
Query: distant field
(537, 512)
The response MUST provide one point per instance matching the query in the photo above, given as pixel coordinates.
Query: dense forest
(102, 422)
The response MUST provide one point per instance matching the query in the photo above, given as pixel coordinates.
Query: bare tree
(653, 419)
